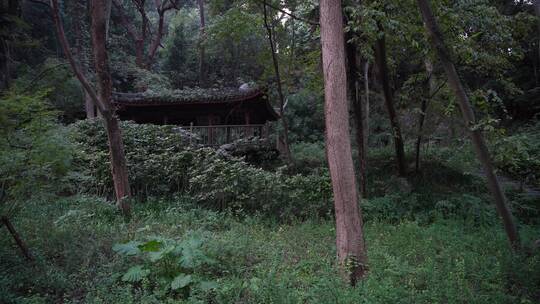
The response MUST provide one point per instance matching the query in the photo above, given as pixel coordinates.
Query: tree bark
(356, 102)
(437, 42)
(349, 236)
(82, 61)
(423, 112)
(365, 112)
(12, 10)
(284, 122)
(104, 85)
(137, 38)
(202, 37)
(380, 58)
(17, 238)
(537, 11)
(5, 72)
(89, 106)
(103, 98)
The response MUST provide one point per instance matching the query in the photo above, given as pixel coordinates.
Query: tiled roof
(187, 96)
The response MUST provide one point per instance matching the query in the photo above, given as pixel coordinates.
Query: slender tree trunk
(479, 144)
(5, 72)
(349, 236)
(365, 112)
(380, 58)
(202, 56)
(104, 84)
(89, 106)
(537, 11)
(108, 11)
(423, 112)
(13, 10)
(356, 102)
(103, 98)
(157, 40)
(139, 39)
(17, 238)
(82, 61)
(284, 122)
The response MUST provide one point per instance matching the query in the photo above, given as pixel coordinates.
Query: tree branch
(124, 20)
(288, 14)
(65, 46)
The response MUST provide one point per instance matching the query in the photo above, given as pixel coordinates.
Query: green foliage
(161, 163)
(517, 155)
(180, 53)
(169, 266)
(34, 153)
(308, 156)
(258, 261)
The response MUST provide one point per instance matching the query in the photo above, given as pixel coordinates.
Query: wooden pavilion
(217, 116)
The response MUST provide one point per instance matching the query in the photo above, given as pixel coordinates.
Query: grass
(445, 260)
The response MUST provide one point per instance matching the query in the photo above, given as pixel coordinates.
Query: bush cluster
(517, 155)
(161, 162)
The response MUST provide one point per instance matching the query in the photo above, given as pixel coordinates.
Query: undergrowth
(255, 259)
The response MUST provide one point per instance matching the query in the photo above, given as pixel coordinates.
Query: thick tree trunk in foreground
(202, 51)
(104, 84)
(284, 122)
(17, 238)
(479, 144)
(103, 101)
(380, 58)
(349, 236)
(356, 102)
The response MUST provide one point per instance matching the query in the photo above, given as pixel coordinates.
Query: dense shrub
(34, 154)
(308, 155)
(161, 162)
(517, 155)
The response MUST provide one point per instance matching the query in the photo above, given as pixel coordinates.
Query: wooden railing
(222, 134)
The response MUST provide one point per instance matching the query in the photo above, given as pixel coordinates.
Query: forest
(270, 151)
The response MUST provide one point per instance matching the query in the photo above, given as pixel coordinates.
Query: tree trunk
(13, 10)
(356, 102)
(537, 11)
(365, 112)
(139, 39)
(82, 61)
(103, 102)
(157, 40)
(349, 236)
(104, 84)
(380, 58)
(4, 64)
(284, 122)
(423, 112)
(202, 37)
(479, 144)
(17, 238)
(89, 106)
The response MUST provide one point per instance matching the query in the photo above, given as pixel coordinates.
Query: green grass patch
(259, 260)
